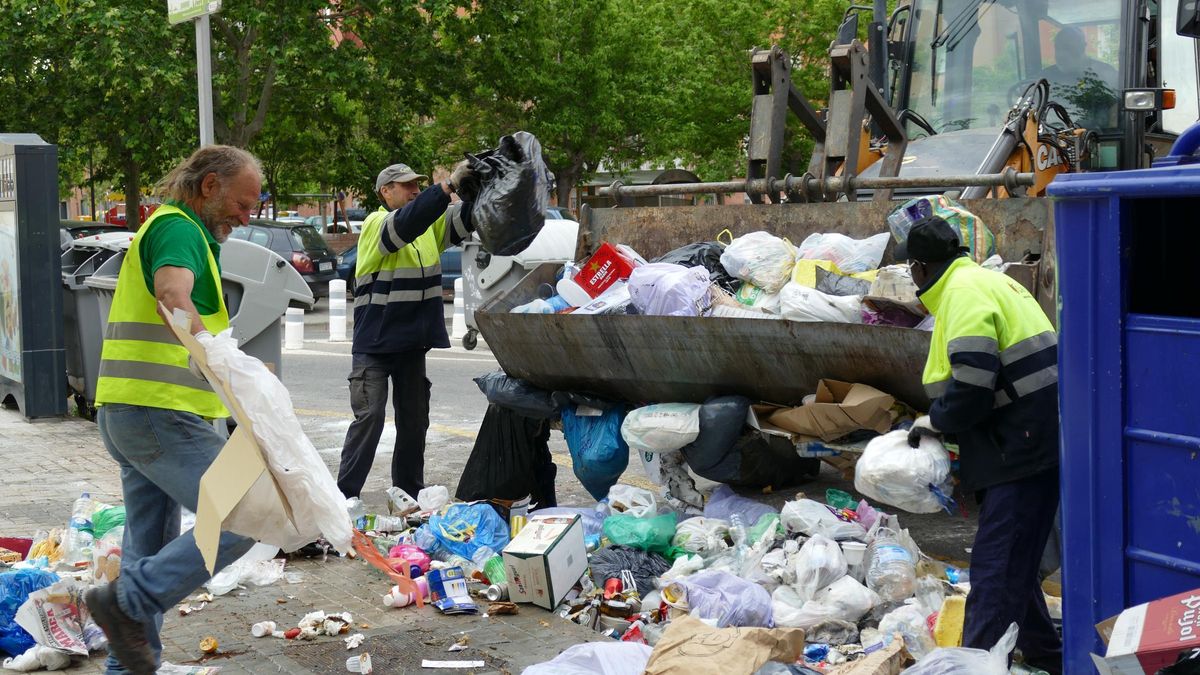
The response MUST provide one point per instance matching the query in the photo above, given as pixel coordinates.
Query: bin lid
(113, 241)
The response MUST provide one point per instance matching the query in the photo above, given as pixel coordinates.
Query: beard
(210, 214)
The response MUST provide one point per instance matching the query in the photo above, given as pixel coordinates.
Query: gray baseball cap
(397, 173)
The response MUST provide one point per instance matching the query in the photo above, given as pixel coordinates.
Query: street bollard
(337, 311)
(458, 323)
(293, 329)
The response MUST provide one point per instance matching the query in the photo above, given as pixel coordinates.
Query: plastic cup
(854, 551)
(359, 664)
(262, 629)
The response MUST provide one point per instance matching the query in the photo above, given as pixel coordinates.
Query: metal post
(204, 78)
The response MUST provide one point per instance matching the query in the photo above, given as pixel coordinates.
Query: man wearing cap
(992, 373)
(398, 317)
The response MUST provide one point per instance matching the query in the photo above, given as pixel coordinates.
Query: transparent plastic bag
(955, 660)
(645, 534)
(844, 600)
(818, 563)
(808, 517)
(631, 500)
(661, 427)
(913, 479)
(910, 622)
(705, 536)
(850, 255)
(666, 289)
(760, 258)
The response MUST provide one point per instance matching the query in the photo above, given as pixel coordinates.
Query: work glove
(203, 337)
(463, 173)
(923, 426)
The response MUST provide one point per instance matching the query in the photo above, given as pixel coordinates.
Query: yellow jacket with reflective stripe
(141, 362)
(992, 372)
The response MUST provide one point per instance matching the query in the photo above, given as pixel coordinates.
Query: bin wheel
(470, 340)
(86, 410)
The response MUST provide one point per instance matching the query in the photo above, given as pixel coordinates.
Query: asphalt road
(316, 378)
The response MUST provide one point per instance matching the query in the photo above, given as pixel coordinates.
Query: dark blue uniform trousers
(1015, 520)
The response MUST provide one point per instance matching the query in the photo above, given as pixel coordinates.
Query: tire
(470, 340)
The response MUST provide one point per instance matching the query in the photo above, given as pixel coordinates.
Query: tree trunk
(133, 191)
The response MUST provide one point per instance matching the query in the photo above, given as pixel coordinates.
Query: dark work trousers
(369, 375)
(1015, 520)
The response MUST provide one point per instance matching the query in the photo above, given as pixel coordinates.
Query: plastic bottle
(891, 571)
(78, 539)
(737, 532)
(429, 543)
(490, 564)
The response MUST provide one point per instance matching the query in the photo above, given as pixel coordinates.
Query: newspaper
(57, 617)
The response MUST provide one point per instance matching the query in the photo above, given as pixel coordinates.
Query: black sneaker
(126, 637)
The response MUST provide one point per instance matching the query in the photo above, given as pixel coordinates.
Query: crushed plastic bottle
(737, 532)
(355, 509)
(78, 539)
(891, 571)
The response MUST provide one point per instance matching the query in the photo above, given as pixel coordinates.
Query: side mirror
(1188, 23)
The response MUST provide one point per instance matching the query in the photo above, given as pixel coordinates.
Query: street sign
(179, 11)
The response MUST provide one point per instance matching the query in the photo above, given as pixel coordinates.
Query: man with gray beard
(155, 408)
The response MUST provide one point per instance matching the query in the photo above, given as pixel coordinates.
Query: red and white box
(1146, 638)
(607, 266)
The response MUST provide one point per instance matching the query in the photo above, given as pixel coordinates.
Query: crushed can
(496, 592)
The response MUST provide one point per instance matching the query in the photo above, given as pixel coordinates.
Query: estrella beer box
(607, 266)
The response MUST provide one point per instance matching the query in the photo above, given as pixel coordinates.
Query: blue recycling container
(1129, 386)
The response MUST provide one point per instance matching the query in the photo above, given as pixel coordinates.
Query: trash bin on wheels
(485, 275)
(258, 286)
(1129, 361)
(81, 312)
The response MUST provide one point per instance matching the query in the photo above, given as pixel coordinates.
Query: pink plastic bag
(411, 554)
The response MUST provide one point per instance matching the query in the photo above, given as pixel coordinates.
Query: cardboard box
(839, 408)
(1143, 639)
(545, 559)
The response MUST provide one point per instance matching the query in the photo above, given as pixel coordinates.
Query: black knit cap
(930, 240)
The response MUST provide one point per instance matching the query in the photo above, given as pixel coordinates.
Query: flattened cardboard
(891, 660)
(839, 409)
(238, 469)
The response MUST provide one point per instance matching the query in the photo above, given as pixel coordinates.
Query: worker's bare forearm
(173, 289)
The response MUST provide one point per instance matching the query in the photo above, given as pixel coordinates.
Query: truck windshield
(972, 59)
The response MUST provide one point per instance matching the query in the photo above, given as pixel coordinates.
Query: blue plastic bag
(15, 588)
(598, 452)
(465, 528)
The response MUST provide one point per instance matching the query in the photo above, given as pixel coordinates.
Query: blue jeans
(162, 454)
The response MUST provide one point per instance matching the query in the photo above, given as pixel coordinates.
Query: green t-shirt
(178, 242)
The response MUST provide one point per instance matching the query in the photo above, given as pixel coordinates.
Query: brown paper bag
(690, 646)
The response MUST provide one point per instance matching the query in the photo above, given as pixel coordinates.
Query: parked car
(451, 267)
(560, 213)
(301, 245)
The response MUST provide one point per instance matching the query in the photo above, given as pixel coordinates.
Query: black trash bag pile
(511, 460)
(517, 395)
(607, 563)
(724, 453)
(509, 193)
(706, 254)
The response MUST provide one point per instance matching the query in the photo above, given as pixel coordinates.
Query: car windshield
(308, 239)
(973, 58)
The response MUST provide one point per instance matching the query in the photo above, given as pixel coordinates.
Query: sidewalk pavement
(49, 463)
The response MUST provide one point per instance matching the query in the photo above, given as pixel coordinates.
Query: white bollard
(293, 329)
(337, 311)
(458, 324)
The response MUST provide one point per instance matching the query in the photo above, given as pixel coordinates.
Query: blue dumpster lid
(1163, 181)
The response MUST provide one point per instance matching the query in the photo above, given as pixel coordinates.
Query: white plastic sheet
(760, 258)
(850, 255)
(801, 303)
(596, 658)
(667, 289)
(892, 472)
(317, 504)
(806, 516)
(661, 427)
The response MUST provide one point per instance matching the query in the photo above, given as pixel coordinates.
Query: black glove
(923, 426)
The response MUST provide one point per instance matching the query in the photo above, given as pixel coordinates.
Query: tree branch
(264, 100)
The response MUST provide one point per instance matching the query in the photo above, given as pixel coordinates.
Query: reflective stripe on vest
(141, 362)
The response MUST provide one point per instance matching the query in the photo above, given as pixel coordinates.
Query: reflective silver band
(136, 330)
(973, 343)
(398, 296)
(386, 276)
(1036, 381)
(974, 376)
(152, 372)
(389, 238)
(936, 389)
(1028, 347)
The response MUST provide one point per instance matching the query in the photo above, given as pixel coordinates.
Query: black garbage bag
(768, 460)
(517, 395)
(706, 254)
(511, 460)
(608, 562)
(509, 193)
(721, 421)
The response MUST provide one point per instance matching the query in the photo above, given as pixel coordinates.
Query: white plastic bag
(892, 472)
(909, 622)
(850, 255)
(316, 503)
(667, 289)
(760, 258)
(684, 566)
(258, 566)
(701, 535)
(661, 427)
(819, 563)
(805, 516)
(801, 303)
(596, 658)
(433, 497)
(954, 660)
(844, 599)
(752, 296)
(632, 500)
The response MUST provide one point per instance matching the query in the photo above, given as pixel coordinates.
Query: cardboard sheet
(839, 408)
